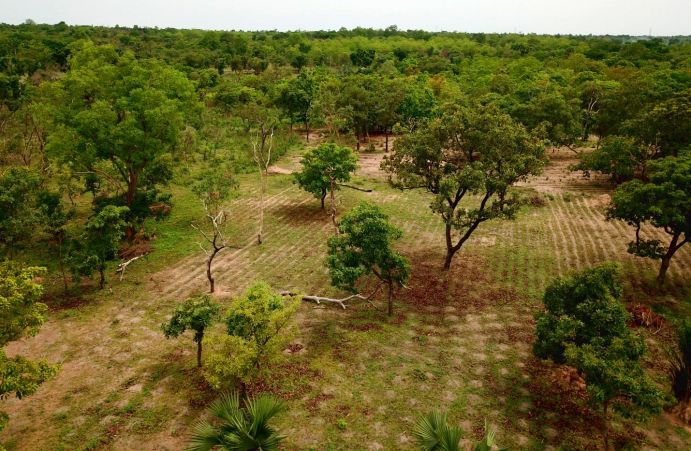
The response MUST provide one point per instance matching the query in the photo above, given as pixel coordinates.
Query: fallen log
(364, 190)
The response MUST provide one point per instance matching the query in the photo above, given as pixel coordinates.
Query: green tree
(479, 152)
(621, 157)
(122, 117)
(21, 315)
(664, 202)
(324, 169)
(239, 429)
(296, 98)
(99, 242)
(364, 246)
(258, 324)
(18, 214)
(584, 325)
(680, 363)
(196, 314)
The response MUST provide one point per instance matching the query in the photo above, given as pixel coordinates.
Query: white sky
(635, 17)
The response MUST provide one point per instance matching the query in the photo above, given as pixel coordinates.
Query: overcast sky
(635, 17)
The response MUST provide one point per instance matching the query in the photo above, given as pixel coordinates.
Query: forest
(335, 240)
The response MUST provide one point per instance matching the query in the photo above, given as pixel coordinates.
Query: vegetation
(196, 314)
(324, 169)
(466, 152)
(680, 363)
(239, 428)
(137, 146)
(664, 201)
(585, 326)
(257, 325)
(363, 246)
(21, 315)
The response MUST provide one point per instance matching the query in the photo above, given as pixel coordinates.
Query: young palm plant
(239, 429)
(434, 433)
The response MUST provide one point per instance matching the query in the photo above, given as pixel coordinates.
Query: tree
(363, 247)
(390, 94)
(21, 315)
(262, 145)
(257, 325)
(621, 157)
(122, 118)
(213, 187)
(324, 169)
(664, 202)
(239, 429)
(680, 363)
(100, 242)
(296, 98)
(18, 214)
(54, 219)
(584, 325)
(196, 314)
(466, 152)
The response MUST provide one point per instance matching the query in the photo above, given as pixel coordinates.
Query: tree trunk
(333, 205)
(386, 140)
(605, 434)
(262, 189)
(102, 280)
(450, 249)
(667, 258)
(208, 273)
(323, 197)
(390, 298)
(199, 353)
(357, 137)
(307, 130)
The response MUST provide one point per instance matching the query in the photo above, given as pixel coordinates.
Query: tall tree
(364, 246)
(262, 137)
(466, 152)
(18, 213)
(121, 118)
(21, 315)
(664, 202)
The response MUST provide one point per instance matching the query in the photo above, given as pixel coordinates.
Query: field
(353, 379)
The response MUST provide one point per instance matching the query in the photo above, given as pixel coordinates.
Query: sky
(633, 17)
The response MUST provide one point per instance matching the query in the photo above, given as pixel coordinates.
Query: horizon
(666, 18)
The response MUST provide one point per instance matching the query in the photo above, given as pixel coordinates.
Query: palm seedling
(239, 429)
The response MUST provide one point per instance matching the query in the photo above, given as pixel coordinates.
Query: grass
(460, 341)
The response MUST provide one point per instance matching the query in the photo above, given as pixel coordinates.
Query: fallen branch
(123, 266)
(364, 190)
(319, 299)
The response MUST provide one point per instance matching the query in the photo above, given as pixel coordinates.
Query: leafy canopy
(364, 246)
(195, 314)
(21, 315)
(257, 325)
(320, 165)
(584, 325)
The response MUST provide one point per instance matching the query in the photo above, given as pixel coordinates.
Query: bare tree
(262, 144)
(213, 187)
